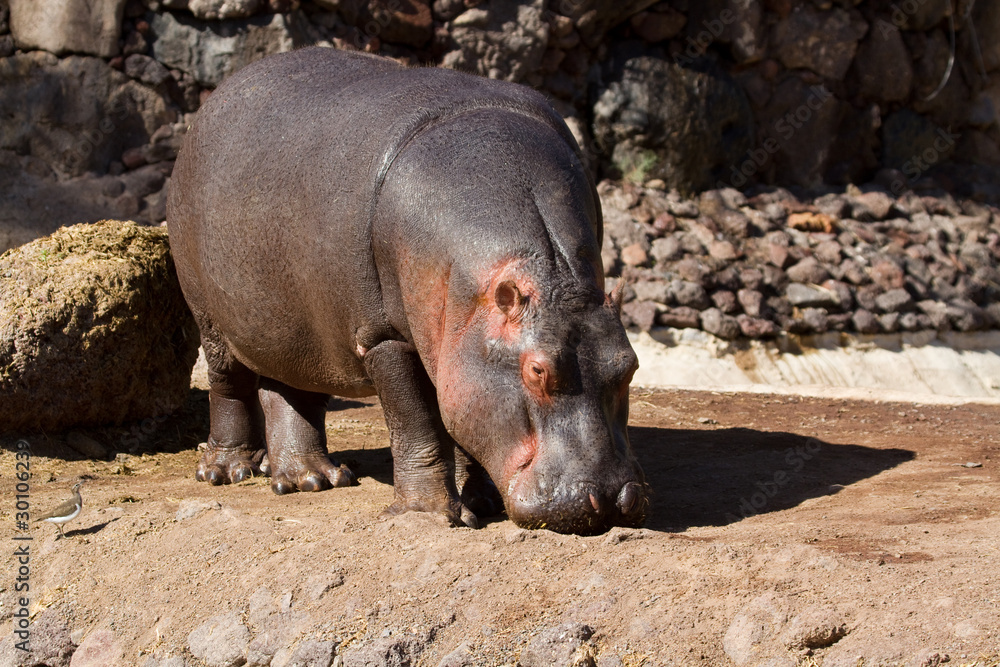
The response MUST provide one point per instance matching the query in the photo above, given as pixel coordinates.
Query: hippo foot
(228, 465)
(308, 473)
(452, 509)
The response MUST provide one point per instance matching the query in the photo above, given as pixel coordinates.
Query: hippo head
(538, 395)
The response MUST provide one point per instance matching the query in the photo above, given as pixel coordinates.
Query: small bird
(66, 511)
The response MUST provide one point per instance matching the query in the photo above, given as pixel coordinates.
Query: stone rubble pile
(769, 262)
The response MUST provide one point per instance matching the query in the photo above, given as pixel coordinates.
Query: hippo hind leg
(235, 443)
(297, 459)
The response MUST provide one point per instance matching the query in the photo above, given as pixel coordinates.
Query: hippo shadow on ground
(714, 478)
(375, 463)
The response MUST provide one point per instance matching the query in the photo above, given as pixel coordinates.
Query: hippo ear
(617, 296)
(510, 300)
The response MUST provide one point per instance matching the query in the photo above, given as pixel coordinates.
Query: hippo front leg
(297, 459)
(423, 454)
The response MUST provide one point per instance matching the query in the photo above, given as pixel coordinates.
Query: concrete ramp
(925, 367)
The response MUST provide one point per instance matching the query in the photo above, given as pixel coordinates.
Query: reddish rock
(756, 327)
(634, 255)
(642, 313)
(723, 250)
(778, 255)
(682, 317)
(808, 271)
(887, 274)
(725, 301)
(715, 322)
(751, 301)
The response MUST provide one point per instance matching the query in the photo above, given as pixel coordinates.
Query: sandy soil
(784, 531)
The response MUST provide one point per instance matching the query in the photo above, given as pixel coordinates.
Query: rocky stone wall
(754, 267)
(721, 94)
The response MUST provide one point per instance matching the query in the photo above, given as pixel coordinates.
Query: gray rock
(139, 350)
(146, 69)
(806, 296)
(221, 641)
(397, 651)
(642, 314)
(865, 322)
(889, 322)
(311, 653)
(561, 645)
(50, 643)
(870, 206)
(67, 26)
(808, 271)
(460, 657)
(687, 293)
(751, 301)
(503, 40)
(828, 252)
(883, 66)
(822, 41)
(725, 301)
(666, 249)
(966, 315)
(652, 290)
(188, 509)
(756, 327)
(656, 119)
(894, 301)
(681, 317)
(758, 623)
(684, 208)
(816, 319)
(715, 322)
(223, 9)
(113, 113)
(98, 649)
(209, 52)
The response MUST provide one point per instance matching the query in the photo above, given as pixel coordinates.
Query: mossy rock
(94, 329)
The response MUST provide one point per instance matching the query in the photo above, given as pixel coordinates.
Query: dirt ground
(784, 531)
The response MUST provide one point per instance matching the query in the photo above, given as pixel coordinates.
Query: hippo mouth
(584, 507)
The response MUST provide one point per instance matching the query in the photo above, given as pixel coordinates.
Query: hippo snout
(584, 509)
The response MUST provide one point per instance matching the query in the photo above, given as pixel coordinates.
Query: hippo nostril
(596, 503)
(628, 498)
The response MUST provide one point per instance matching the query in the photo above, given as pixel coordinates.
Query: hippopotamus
(345, 225)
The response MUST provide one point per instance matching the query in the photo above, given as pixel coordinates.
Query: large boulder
(821, 41)
(67, 26)
(211, 51)
(93, 329)
(654, 118)
(76, 114)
